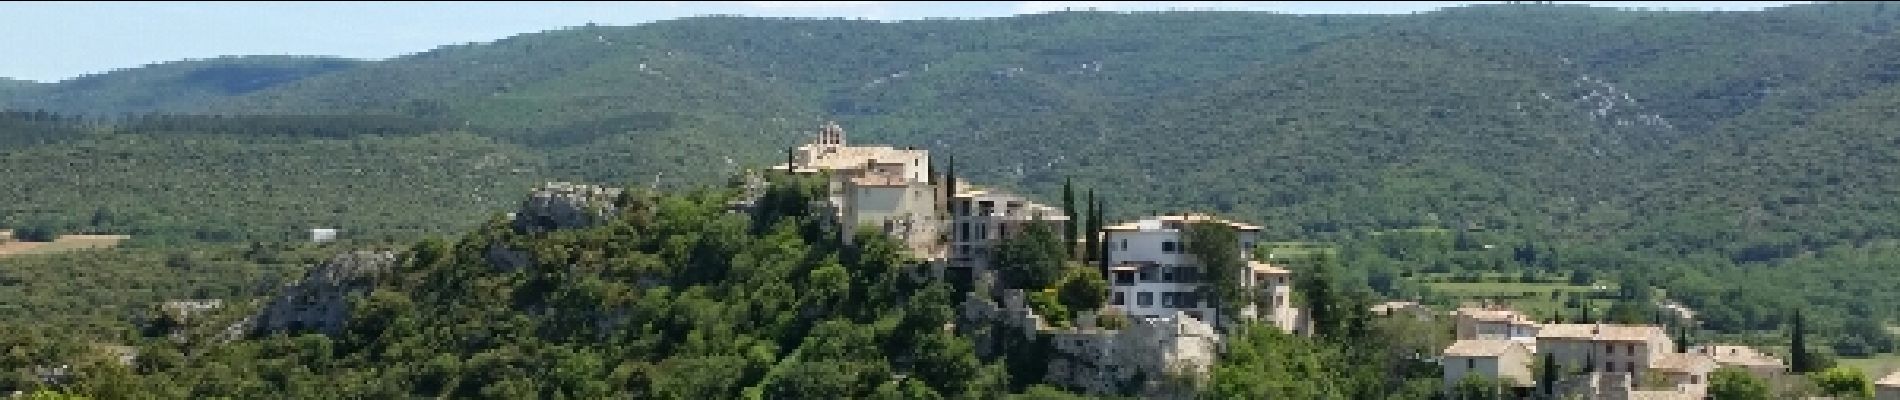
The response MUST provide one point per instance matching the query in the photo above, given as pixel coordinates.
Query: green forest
(1740, 163)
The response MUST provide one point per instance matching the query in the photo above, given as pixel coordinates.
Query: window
(1609, 366)
(1695, 379)
(1167, 247)
(1471, 363)
(1170, 299)
(1167, 274)
(1631, 349)
(1124, 245)
(1118, 299)
(1609, 349)
(1629, 366)
(1144, 299)
(1148, 273)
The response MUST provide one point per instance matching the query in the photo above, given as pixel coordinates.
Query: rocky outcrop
(562, 205)
(320, 301)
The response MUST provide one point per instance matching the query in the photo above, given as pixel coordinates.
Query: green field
(1875, 367)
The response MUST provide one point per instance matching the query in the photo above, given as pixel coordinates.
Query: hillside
(1687, 147)
(169, 86)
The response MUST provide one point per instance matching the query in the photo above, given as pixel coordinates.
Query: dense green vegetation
(1741, 163)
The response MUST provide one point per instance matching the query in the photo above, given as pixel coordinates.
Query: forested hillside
(1743, 161)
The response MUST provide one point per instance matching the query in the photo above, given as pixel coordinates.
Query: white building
(323, 235)
(1151, 273)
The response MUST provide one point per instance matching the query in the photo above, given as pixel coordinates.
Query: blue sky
(59, 40)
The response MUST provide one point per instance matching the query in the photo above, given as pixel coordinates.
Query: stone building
(1760, 364)
(1500, 359)
(1493, 321)
(1888, 388)
(886, 189)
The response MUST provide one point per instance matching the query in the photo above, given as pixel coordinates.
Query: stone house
(1888, 388)
(1609, 348)
(1501, 359)
(1494, 322)
(1760, 364)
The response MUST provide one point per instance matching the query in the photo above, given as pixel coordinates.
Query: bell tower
(831, 135)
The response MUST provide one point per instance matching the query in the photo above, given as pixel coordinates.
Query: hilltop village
(1155, 329)
(1173, 323)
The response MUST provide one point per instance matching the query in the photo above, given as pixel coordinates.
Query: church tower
(831, 135)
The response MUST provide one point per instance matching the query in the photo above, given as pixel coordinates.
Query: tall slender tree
(1101, 244)
(1093, 231)
(1548, 383)
(1682, 338)
(1068, 209)
(1798, 358)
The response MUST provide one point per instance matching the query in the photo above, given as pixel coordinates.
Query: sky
(54, 41)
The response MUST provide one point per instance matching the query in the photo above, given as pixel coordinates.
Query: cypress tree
(1682, 339)
(1549, 382)
(1798, 357)
(1101, 244)
(950, 181)
(1089, 224)
(1068, 209)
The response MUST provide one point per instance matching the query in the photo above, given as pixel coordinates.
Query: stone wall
(1151, 358)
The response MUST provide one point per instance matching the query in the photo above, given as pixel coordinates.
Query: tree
(1091, 229)
(1547, 382)
(1095, 233)
(1068, 209)
(1032, 260)
(1216, 248)
(1844, 382)
(1735, 383)
(1799, 360)
(1478, 387)
(1084, 290)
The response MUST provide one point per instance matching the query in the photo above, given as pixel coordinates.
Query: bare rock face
(319, 302)
(562, 205)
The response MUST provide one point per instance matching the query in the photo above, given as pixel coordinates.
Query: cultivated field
(63, 244)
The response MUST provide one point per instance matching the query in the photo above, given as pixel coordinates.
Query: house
(1888, 388)
(1501, 359)
(1392, 308)
(1687, 373)
(980, 219)
(1494, 321)
(1151, 273)
(1608, 348)
(1757, 363)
